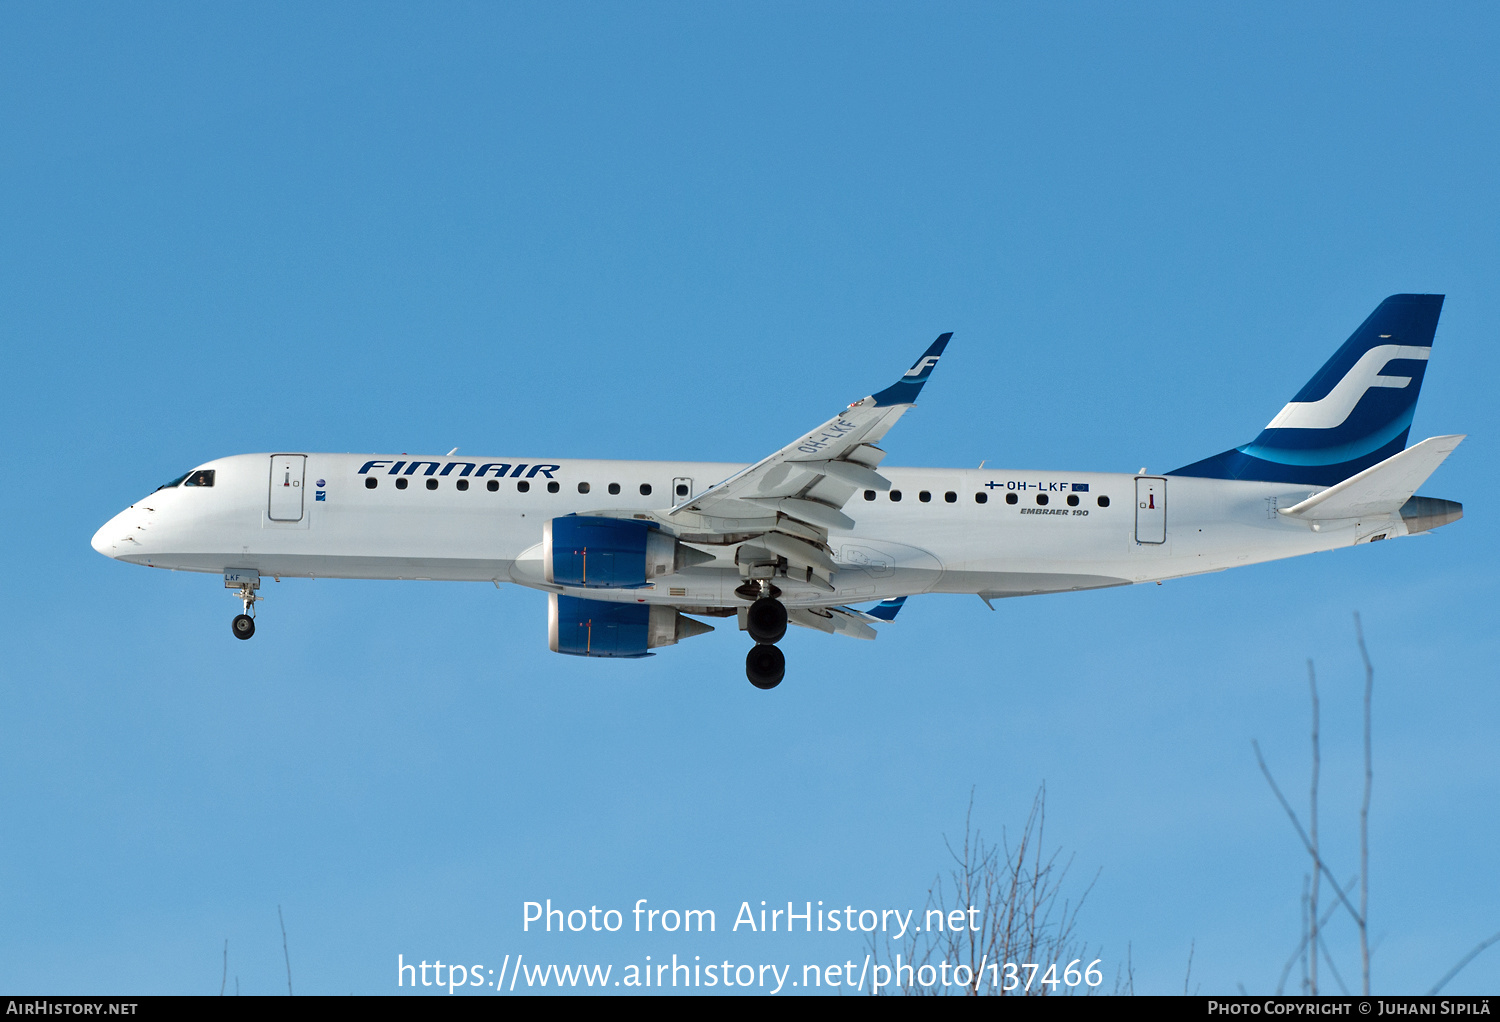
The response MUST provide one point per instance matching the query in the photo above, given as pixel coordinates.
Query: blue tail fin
(1354, 413)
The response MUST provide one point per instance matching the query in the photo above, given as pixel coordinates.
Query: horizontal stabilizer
(1379, 489)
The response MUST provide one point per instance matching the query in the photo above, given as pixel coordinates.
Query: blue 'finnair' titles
(1354, 413)
(480, 469)
(635, 556)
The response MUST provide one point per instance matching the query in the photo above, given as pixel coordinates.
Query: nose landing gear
(765, 664)
(246, 581)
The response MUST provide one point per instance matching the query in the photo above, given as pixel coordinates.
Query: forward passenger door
(288, 472)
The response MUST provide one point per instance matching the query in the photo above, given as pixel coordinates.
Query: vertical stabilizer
(1353, 414)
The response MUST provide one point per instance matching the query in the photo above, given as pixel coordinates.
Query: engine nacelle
(610, 553)
(582, 627)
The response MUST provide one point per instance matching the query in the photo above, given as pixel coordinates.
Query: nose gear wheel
(243, 625)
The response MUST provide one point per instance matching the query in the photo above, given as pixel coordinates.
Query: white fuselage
(339, 527)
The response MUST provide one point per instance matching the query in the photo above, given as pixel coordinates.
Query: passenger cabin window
(462, 484)
(951, 497)
(202, 477)
(553, 487)
(1041, 499)
(896, 495)
(682, 490)
(981, 497)
(432, 484)
(614, 488)
(925, 496)
(1103, 500)
(401, 482)
(522, 487)
(645, 489)
(583, 487)
(371, 482)
(1011, 498)
(869, 495)
(1072, 500)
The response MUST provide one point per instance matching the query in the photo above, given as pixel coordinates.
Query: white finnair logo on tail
(923, 364)
(1332, 410)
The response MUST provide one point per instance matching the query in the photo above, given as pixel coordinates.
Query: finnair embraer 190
(631, 553)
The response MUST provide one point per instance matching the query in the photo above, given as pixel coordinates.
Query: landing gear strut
(246, 582)
(765, 665)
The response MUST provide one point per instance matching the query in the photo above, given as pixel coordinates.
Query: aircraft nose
(106, 538)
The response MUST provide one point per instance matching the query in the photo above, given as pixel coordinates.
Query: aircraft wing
(811, 479)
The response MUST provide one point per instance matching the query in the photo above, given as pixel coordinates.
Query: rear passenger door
(1150, 509)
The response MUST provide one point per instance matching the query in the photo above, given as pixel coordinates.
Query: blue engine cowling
(601, 628)
(606, 553)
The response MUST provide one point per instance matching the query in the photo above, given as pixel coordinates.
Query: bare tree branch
(1128, 987)
(1292, 815)
(285, 952)
(1312, 905)
(1302, 906)
(1364, 815)
(1286, 970)
(1465, 960)
(1018, 892)
(1333, 968)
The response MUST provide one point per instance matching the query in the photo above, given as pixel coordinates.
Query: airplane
(632, 554)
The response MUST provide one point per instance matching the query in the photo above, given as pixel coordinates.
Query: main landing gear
(765, 664)
(246, 582)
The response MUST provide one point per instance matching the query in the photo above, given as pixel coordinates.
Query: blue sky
(671, 231)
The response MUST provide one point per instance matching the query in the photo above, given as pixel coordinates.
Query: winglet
(887, 610)
(905, 390)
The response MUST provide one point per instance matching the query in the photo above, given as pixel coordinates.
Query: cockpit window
(202, 477)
